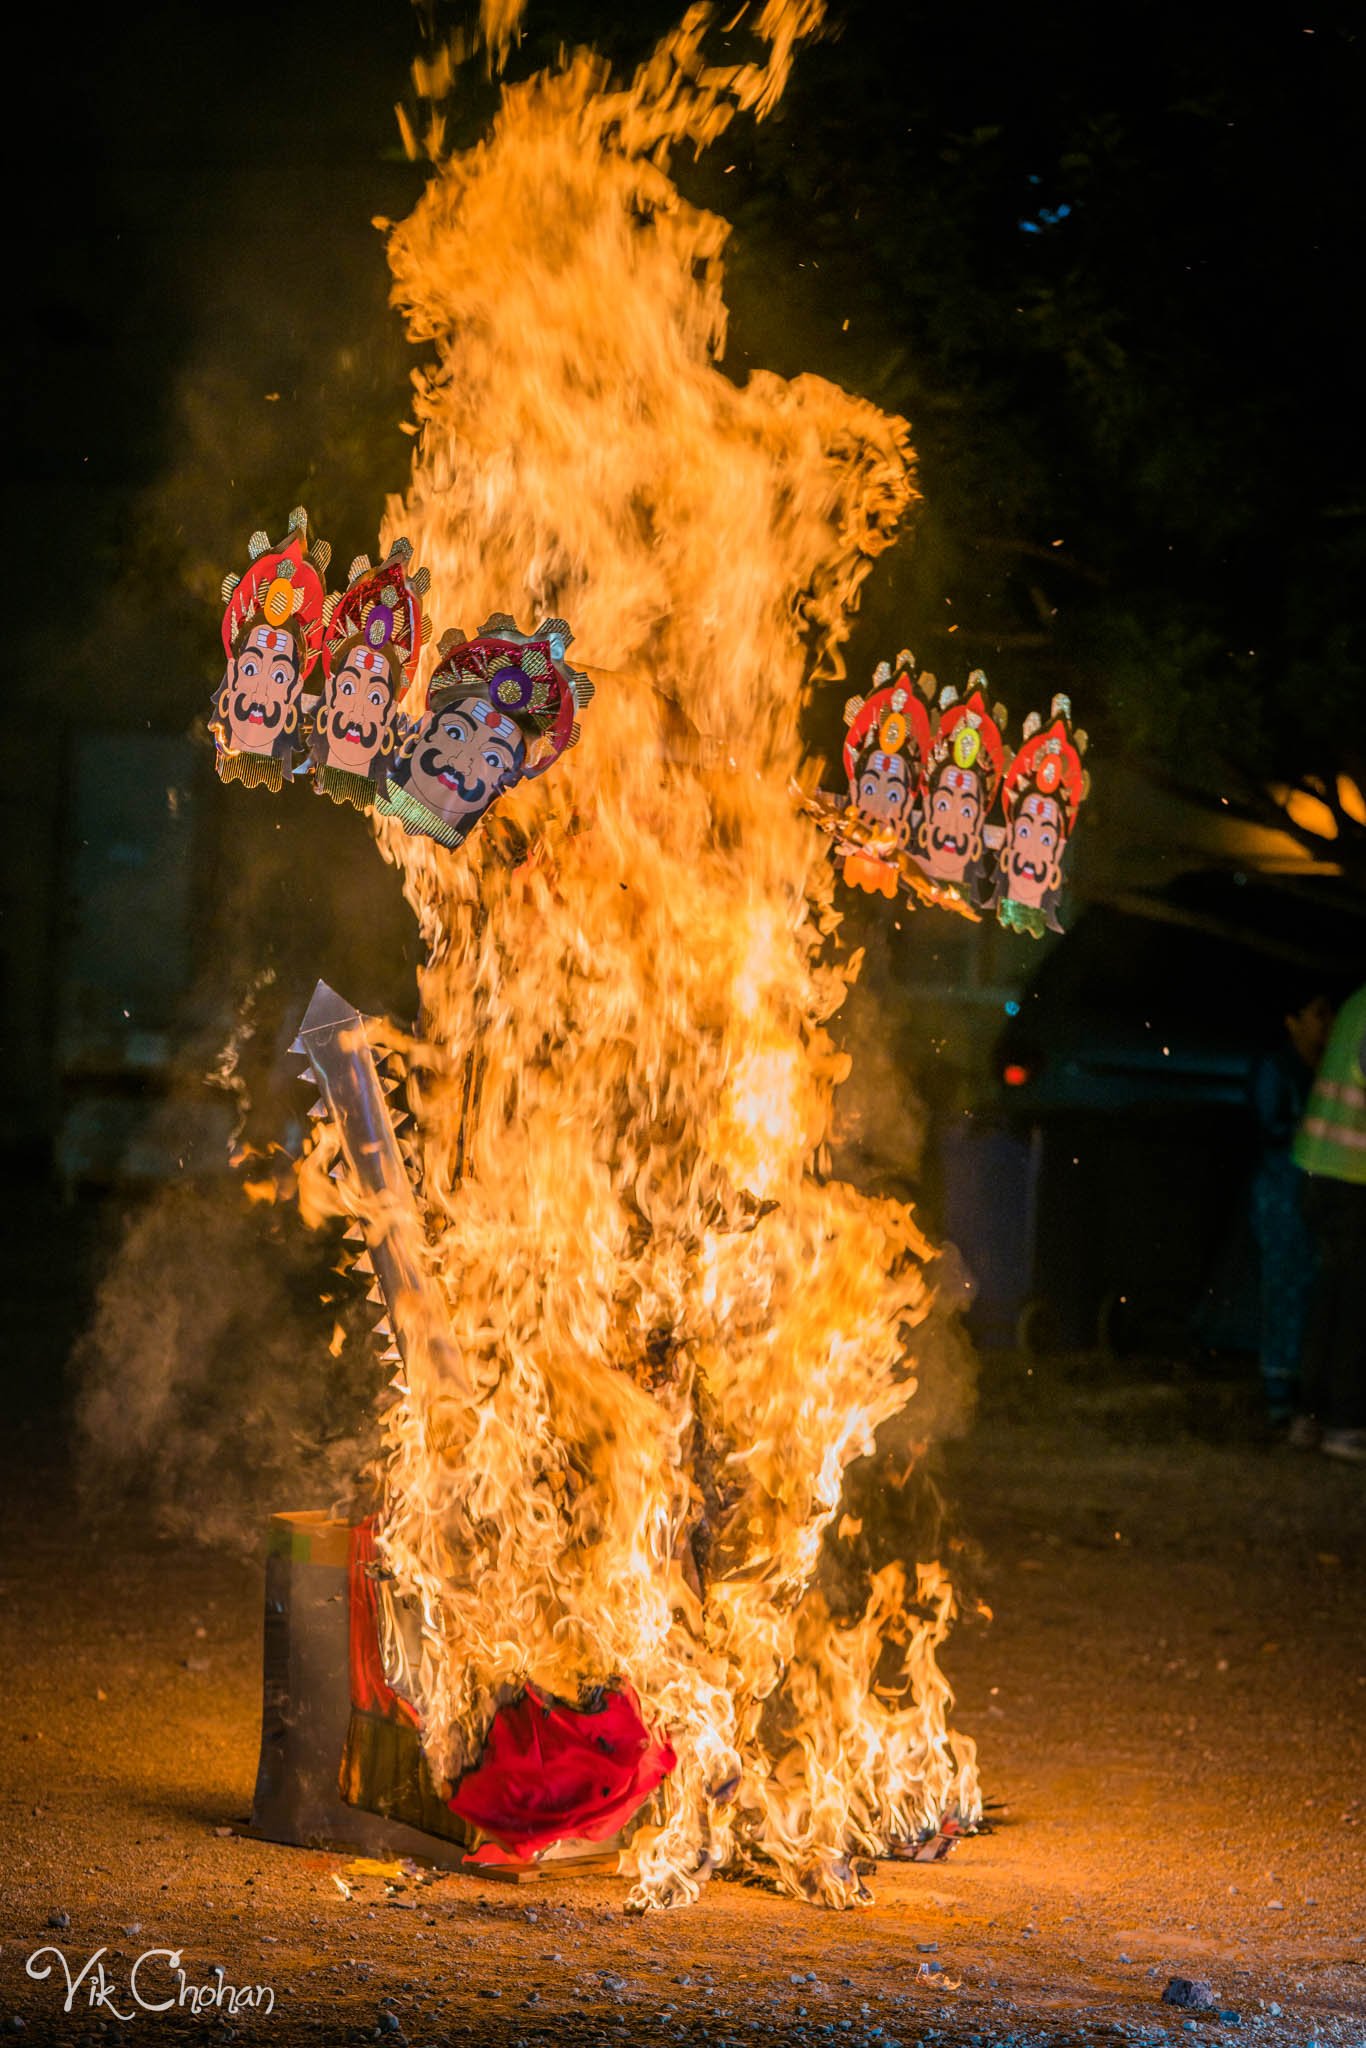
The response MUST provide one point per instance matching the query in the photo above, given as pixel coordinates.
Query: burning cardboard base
(333, 1774)
(306, 1706)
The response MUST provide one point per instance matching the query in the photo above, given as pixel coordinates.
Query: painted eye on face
(377, 698)
(492, 760)
(248, 665)
(280, 677)
(941, 804)
(346, 688)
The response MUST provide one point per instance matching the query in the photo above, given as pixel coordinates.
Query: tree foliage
(1103, 261)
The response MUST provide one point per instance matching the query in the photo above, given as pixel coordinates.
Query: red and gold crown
(283, 587)
(894, 716)
(383, 607)
(1049, 764)
(967, 739)
(523, 676)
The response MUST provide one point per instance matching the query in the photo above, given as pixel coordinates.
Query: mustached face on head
(951, 830)
(882, 789)
(884, 755)
(1031, 859)
(358, 718)
(462, 758)
(1044, 787)
(258, 708)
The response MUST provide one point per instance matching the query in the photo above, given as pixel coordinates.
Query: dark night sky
(1167, 372)
(1210, 241)
(157, 151)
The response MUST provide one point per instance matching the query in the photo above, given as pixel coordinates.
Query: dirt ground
(1170, 1703)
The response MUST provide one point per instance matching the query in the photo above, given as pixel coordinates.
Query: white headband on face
(272, 641)
(1034, 805)
(497, 722)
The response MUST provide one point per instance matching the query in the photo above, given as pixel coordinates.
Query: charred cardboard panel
(306, 1715)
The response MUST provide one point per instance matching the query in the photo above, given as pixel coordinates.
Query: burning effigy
(638, 1331)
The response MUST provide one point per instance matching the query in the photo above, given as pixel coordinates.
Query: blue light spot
(1012, 1008)
(1046, 217)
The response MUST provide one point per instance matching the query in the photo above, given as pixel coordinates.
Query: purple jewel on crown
(513, 688)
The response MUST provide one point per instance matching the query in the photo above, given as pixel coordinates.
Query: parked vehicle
(1124, 1077)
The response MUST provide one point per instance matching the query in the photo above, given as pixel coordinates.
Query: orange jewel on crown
(278, 602)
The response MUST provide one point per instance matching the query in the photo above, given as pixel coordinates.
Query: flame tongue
(675, 1336)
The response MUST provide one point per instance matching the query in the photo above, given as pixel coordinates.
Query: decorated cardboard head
(373, 644)
(884, 756)
(272, 633)
(963, 769)
(500, 707)
(1043, 789)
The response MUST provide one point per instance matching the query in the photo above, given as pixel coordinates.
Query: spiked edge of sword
(386, 1221)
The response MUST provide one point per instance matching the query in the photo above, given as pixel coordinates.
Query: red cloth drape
(550, 1772)
(370, 1689)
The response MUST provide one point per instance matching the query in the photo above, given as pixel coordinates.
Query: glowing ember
(663, 1334)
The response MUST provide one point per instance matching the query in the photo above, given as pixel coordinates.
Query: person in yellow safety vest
(1280, 1083)
(1330, 1147)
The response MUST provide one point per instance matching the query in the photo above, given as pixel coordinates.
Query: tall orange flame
(669, 1331)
